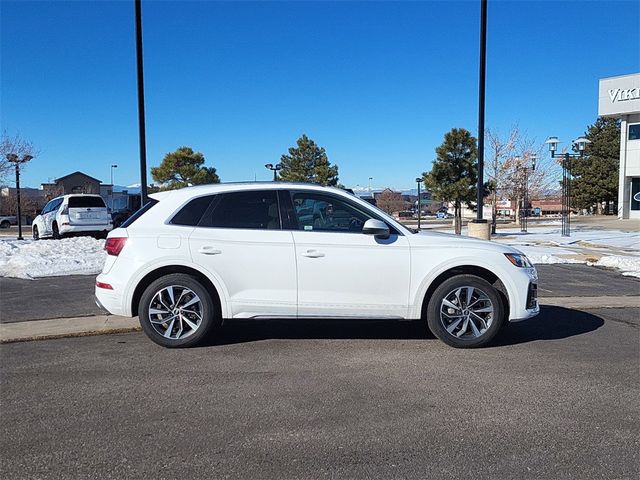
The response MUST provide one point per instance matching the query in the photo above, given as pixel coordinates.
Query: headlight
(519, 260)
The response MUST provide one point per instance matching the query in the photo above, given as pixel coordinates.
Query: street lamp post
(370, 178)
(419, 181)
(275, 169)
(112, 167)
(524, 211)
(580, 143)
(13, 158)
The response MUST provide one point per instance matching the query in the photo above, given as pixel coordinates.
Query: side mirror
(376, 228)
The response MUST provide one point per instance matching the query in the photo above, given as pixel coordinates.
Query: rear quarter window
(192, 212)
(86, 202)
(145, 208)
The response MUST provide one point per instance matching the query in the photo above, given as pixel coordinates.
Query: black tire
(209, 311)
(467, 339)
(35, 233)
(56, 232)
(5, 224)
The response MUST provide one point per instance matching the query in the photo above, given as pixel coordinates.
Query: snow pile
(629, 266)
(581, 237)
(50, 258)
(546, 255)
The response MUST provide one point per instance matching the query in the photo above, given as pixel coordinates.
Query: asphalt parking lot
(555, 398)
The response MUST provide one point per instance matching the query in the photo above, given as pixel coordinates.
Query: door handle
(207, 250)
(312, 254)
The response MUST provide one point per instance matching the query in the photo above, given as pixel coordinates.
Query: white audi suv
(193, 258)
(72, 214)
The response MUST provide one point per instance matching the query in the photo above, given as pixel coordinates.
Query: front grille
(532, 296)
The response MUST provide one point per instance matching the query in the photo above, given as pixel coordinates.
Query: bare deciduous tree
(508, 157)
(17, 145)
(390, 201)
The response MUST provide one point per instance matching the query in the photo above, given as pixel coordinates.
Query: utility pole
(141, 118)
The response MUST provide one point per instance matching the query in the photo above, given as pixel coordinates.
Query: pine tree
(308, 163)
(595, 176)
(182, 168)
(454, 173)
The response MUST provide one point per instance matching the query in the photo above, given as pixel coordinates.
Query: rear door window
(86, 202)
(257, 210)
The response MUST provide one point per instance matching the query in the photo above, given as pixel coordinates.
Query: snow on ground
(50, 258)
(629, 266)
(580, 236)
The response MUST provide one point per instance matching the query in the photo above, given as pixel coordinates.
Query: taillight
(106, 286)
(114, 245)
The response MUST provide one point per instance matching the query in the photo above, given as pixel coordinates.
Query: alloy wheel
(175, 312)
(466, 312)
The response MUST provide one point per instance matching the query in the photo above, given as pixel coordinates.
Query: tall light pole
(275, 169)
(141, 123)
(112, 167)
(13, 158)
(581, 144)
(524, 211)
(419, 181)
(481, 94)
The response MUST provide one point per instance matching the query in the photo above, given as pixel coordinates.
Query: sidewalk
(103, 324)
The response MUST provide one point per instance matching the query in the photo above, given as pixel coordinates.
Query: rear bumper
(110, 300)
(100, 227)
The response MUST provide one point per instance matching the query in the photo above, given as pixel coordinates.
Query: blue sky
(377, 84)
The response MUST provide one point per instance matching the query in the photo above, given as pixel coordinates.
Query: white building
(619, 97)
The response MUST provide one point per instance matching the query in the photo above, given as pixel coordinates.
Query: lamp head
(553, 143)
(418, 179)
(581, 143)
(12, 157)
(269, 166)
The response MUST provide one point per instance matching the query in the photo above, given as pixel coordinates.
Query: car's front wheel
(465, 311)
(177, 311)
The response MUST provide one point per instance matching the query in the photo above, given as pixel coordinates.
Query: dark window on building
(251, 210)
(634, 131)
(635, 193)
(86, 202)
(192, 212)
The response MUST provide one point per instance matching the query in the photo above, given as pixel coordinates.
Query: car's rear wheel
(56, 232)
(177, 311)
(36, 234)
(5, 224)
(465, 311)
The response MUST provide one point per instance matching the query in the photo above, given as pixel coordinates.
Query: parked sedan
(195, 257)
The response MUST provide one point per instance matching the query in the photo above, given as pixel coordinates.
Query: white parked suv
(70, 214)
(193, 257)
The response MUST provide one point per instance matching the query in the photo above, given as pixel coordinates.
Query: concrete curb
(104, 324)
(66, 327)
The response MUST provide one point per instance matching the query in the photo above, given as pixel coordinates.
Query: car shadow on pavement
(553, 323)
(242, 331)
